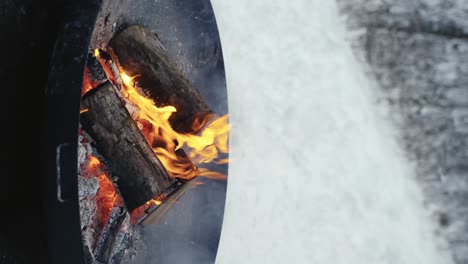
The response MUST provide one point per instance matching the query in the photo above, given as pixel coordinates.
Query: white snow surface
(317, 174)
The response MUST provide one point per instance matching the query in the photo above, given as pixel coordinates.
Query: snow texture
(318, 174)
(419, 57)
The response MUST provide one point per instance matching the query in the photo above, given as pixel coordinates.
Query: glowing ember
(93, 163)
(107, 198)
(141, 211)
(87, 85)
(167, 143)
(106, 195)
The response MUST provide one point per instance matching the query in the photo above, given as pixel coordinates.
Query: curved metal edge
(59, 151)
(223, 69)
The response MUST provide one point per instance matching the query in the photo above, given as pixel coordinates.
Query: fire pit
(138, 133)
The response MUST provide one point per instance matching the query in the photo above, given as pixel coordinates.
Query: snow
(317, 174)
(420, 62)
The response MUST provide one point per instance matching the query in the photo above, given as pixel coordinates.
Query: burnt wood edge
(138, 173)
(158, 214)
(139, 52)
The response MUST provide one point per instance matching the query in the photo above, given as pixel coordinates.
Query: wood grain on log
(140, 53)
(139, 174)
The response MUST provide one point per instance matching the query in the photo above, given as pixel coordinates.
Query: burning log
(95, 70)
(140, 54)
(94, 74)
(139, 174)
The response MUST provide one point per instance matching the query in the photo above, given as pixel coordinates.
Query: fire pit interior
(152, 149)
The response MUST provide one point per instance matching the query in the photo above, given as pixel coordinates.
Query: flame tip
(153, 121)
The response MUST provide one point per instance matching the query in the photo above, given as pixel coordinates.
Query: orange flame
(154, 202)
(167, 143)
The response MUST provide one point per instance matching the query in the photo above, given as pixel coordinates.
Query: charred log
(106, 241)
(96, 72)
(139, 174)
(140, 53)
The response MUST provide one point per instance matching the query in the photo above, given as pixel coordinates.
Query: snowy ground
(318, 174)
(417, 52)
